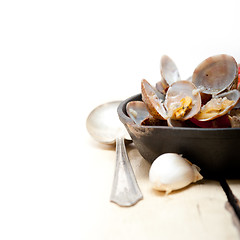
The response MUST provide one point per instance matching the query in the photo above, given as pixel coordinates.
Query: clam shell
(137, 111)
(162, 87)
(232, 95)
(169, 70)
(153, 103)
(234, 118)
(215, 74)
(180, 90)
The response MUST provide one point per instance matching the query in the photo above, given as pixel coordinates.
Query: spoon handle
(125, 190)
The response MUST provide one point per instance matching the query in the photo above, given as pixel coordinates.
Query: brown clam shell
(153, 103)
(215, 74)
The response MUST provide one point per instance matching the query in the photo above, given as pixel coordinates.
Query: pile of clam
(209, 98)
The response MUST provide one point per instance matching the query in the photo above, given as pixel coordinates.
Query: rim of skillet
(207, 132)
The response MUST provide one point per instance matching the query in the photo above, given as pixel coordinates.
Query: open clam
(218, 106)
(183, 100)
(138, 112)
(216, 74)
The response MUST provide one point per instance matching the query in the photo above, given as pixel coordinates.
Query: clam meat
(183, 101)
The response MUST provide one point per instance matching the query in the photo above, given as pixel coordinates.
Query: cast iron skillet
(215, 150)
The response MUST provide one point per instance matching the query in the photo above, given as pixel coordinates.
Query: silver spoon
(104, 126)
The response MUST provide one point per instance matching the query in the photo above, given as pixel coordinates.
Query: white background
(60, 59)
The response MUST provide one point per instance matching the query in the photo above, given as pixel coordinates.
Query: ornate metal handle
(125, 190)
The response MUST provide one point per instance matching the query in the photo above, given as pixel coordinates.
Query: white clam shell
(137, 111)
(181, 89)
